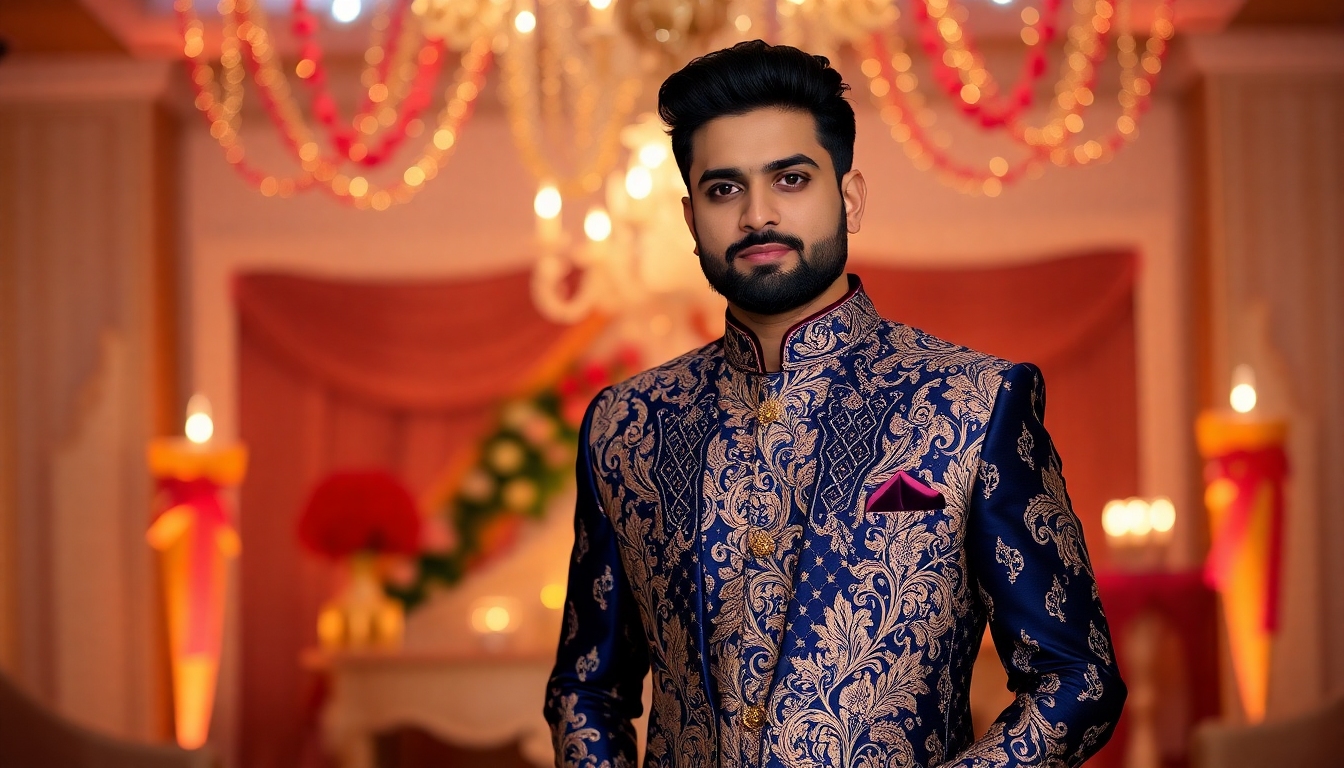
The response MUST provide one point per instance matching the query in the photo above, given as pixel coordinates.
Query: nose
(759, 211)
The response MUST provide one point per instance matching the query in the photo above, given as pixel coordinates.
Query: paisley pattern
(783, 622)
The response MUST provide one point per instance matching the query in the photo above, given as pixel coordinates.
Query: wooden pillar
(1271, 119)
(87, 376)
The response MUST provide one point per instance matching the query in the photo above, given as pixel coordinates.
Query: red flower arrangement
(360, 511)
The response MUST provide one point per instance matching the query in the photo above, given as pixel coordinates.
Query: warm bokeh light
(494, 616)
(600, 5)
(597, 225)
(553, 596)
(497, 618)
(1135, 521)
(653, 155)
(638, 182)
(525, 22)
(547, 203)
(1162, 513)
(345, 11)
(1243, 395)
(200, 425)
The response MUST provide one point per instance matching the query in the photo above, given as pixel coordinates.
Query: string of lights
(244, 28)
(895, 88)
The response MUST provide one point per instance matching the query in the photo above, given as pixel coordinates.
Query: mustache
(761, 238)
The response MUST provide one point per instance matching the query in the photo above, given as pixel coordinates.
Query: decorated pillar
(195, 538)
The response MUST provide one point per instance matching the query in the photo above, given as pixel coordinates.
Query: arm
(1027, 556)
(594, 691)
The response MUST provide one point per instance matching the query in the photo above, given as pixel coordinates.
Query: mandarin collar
(830, 331)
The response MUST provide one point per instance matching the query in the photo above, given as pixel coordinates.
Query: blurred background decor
(196, 538)
(496, 206)
(357, 517)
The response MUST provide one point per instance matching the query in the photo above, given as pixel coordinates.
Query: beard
(768, 290)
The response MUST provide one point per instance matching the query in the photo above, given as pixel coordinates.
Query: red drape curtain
(403, 375)
(337, 374)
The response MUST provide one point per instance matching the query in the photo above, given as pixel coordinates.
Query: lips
(764, 252)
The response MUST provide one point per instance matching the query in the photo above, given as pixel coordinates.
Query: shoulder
(912, 348)
(679, 373)
(679, 382)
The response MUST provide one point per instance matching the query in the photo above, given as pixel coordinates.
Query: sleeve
(1028, 558)
(593, 694)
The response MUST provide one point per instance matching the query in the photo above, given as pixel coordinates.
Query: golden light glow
(653, 155)
(600, 5)
(199, 427)
(525, 22)
(492, 616)
(638, 182)
(597, 225)
(998, 166)
(547, 203)
(553, 596)
(1243, 396)
(1162, 513)
(1135, 521)
(743, 23)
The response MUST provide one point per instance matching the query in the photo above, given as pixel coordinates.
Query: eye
(721, 190)
(793, 179)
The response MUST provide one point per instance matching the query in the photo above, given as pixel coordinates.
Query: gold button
(761, 543)
(753, 717)
(769, 410)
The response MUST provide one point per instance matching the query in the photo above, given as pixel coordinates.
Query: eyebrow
(736, 174)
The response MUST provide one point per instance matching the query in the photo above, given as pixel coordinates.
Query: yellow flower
(506, 457)
(520, 494)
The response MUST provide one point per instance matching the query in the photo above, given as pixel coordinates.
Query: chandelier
(572, 71)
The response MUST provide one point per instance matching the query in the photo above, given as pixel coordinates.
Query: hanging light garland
(894, 87)
(247, 47)
(545, 60)
(401, 70)
(572, 73)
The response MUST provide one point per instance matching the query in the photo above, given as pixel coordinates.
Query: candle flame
(199, 426)
(1243, 395)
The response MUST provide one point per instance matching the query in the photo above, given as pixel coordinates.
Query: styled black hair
(754, 75)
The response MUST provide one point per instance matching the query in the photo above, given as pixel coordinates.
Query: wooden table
(477, 702)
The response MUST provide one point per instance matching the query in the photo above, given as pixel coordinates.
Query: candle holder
(1246, 472)
(195, 540)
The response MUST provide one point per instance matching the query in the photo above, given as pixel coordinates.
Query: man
(802, 528)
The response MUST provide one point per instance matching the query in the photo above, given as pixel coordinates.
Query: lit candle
(1246, 471)
(195, 540)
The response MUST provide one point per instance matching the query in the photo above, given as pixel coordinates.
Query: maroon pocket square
(903, 493)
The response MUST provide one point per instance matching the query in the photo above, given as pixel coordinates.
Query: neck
(770, 329)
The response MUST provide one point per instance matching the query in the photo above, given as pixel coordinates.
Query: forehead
(749, 141)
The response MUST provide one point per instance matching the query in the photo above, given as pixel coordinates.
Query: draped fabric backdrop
(404, 375)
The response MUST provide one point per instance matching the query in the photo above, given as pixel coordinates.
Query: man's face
(770, 225)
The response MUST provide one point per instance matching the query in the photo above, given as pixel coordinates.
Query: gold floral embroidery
(1096, 640)
(1025, 445)
(1054, 599)
(1094, 689)
(1050, 519)
(1009, 558)
(587, 664)
(602, 587)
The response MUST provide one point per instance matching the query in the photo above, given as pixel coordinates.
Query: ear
(689, 212)
(854, 194)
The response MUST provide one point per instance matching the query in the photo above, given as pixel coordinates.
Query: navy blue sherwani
(807, 559)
